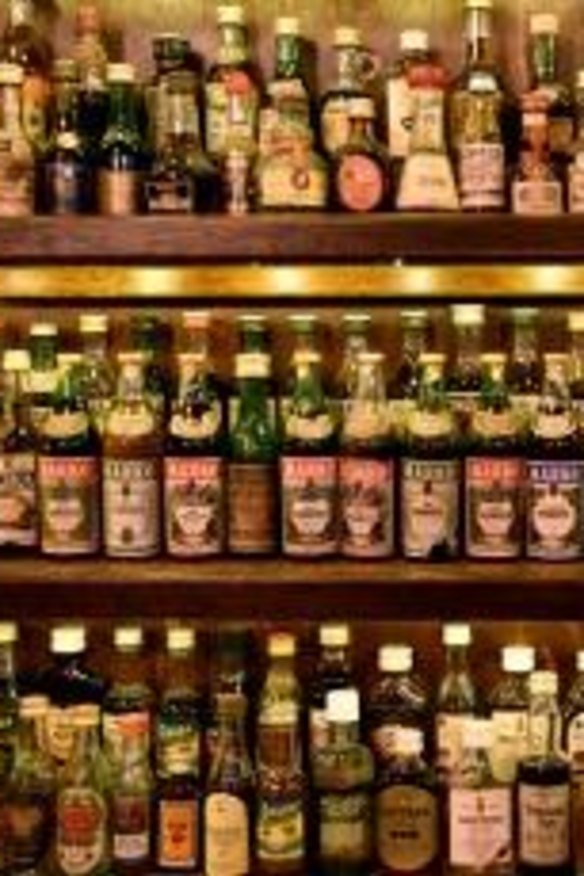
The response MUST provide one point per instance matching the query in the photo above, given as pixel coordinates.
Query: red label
(367, 507)
(309, 498)
(194, 506)
(504, 471)
(361, 184)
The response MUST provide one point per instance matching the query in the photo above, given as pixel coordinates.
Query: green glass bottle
(43, 346)
(149, 336)
(96, 373)
(122, 149)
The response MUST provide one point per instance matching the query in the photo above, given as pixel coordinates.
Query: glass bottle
(573, 737)
(543, 787)
(23, 44)
(367, 467)
(171, 54)
(536, 189)
(406, 809)
(395, 700)
(480, 809)
(178, 756)
(30, 795)
(414, 49)
(131, 466)
(292, 176)
(415, 341)
(427, 181)
(355, 330)
(576, 167)
(130, 791)
(8, 702)
(149, 336)
(90, 55)
(430, 471)
(554, 471)
(252, 468)
(44, 373)
(457, 699)
(18, 490)
(71, 687)
(334, 671)
(288, 91)
(228, 805)
(232, 89)
(305, 330)
(545, 81)
(494, 472)
(465, 378)
(231, 653)
(524, 366)
(194, 476)
(81, 842)
(280, 821)
(361, 179)
(343, 775)
(17, 161)
(576, 359)
(95, 371)
(308, 465)
(68, 470)
(509, 704)
(356, 67)
(127, 706)
(121, 148)
(65, 163)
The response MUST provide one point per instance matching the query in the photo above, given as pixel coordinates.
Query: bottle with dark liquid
(121, 153)
(524, 371)
(334, 671)
(415, 341)
(44, 375)
(361, 180)
(465, 378)
(509, 705)
(91, 57)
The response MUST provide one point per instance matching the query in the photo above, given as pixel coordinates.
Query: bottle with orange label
(362, 171)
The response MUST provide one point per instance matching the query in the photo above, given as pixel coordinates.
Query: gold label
(407, 828)
(118, 192)
(227, 847)
(544, 825)
(178, 834)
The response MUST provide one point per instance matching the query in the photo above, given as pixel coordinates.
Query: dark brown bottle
(333, 672)
(361, 177)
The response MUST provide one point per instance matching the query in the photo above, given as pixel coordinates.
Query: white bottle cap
(524, 314)
(342, 706)
(281, 645)
(456, 635)
(232, 14)
(356, 321)
(334, 636)
(43, 330)
(131, 636)
(11, 74)
(180, 639)
(414, 41)
(252, 365)
(8, 633)
(302, 319)
(121, 73)
(395, 658)
(33, 706)
(287, 25)
(543, 683)
(409, 740)
(580, 79)
(576, 321)
(16, 360)
(93, 323)
(477, 733)
(518, 658)
(468, 314)
(479, 4)
(347, 36)
(544, 23)
(417, 317)
(68, 639)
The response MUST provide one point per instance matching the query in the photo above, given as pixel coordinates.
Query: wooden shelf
(281, 589)
(289, 238)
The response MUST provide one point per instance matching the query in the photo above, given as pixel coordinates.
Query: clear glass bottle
(415, 341)
(149, 336)
(536, 189)
(465, 378)
(17, 160)
(343, 773)
(457, 699)
(509, 705)
(355, 330)
(130, 794)
(524, 370)
(44, 374)
(543, 787)
(414, 50)
(361, 178)
(96, 373)
(334, 671)
(573, 739)
(231, 653)
(121, 149)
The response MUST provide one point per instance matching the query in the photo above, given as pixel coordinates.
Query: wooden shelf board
(282, 589)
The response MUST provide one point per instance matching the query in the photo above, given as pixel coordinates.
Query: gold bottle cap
(252, 365)
(370, 358)
(334, 636)
(180, 639)
(93, 323)
(356, 321)
(494, 360)
(68, 639)
(232, 14)
(128, 636)
(43, 330)
(468, 314)
(479, 4)
(544, 23)
(68, 360)
(8, 633)
(414, 41)
(347, 36)
(287, 26)
(196, 320)
(456, 635)
(281, 645)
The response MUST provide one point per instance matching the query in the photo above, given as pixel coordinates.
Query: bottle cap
(128, 637)
(477, 733)
(93, 323)
(8, 633)
(87, 19)
(137, 358)
(370, 357)
(256, 320)
(230, 14)
(347, 36)
(342, 706)
(468, 314)
(352, 322)
(33, 707)
(302, 321)
(518, 658)
(65, 70)
(434, 360)
(11, 74)
(409, 740)
(576, 321)
(395, 658)
(580, 79)
(334, 636)
(580, 661)
(479, 4)
(287, 26)
(68, 639)
(121, 73)
(85, 716)
(456, 635)
(68, 360)
(543, 683)
(524, 314)
(361, 108)
(180, 639)
(414, 41)
(252, 365)
(544, 23)
(43, 330)
(196, 320)
(414, 317)
(16, 360)
(306, 357)
(281, 645)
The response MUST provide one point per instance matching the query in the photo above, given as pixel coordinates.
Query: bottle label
(27, 829)
(407, 828)
(336, 124)
(66, 186)
(430, 508)
(252, 508)
(400, 114)
(309, 493)
(117, 729)
(544, 825)
(35, 97)
(481, 828)
(193, 503)
(360, 183)
(118, 192)
(60, 731)
(16, 183)
(131, 507)
(345, 828)
(178, 834)
(384, 739)
(130, 816)
(227, 847)
(297, 186)
(577, 820)
(482, 176)
(537, 198)
(575, 742)
(69, 504)
(554, 510)
(561, 136)
(576, 186)
(280, 831)
(18, 504)
(231, 114)
(427, 183)
(178, 747)
(449, 735)
(367, 507)
(493, 488)
(81, 831)
(510, 743)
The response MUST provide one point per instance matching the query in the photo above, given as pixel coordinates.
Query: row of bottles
(270, 777)
(82, 135)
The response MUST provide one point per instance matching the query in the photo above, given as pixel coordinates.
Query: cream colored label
(480, 828)
(427, 425)
(575, 739)
(345, 828)
(510, 743)
(449, 735)
(407, 828)
(544, 825)
(196, 429)
(226, 836)
(297, 186)
(576, 185)
(400, 114)
(280, 831)
(81, 831)
(131, 504)
(428, 184)
(537, 198)
(430, 507)
(482, 176)
(65, 425)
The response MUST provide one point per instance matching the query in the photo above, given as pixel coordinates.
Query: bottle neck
(457, 660)
(544, 726)
(43, 354)
(128, 667)
(181, 672)
(66, 108)
(11, 110)
(288, 57)
(234, 47)
(361, 131)
(525, 342)
(253, 396)
(181, 118)
(86, 745)
(122, 114)
(344, 735)
(348, 63)
(428, 130)
(544, 59)
(16, 407)
(95, 346)
(30, 735)
(131, 383)
(479, 38)
(469, 341)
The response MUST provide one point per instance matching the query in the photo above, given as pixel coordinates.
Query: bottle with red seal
(362, 173)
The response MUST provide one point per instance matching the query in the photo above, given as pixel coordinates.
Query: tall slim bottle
(457, 700)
